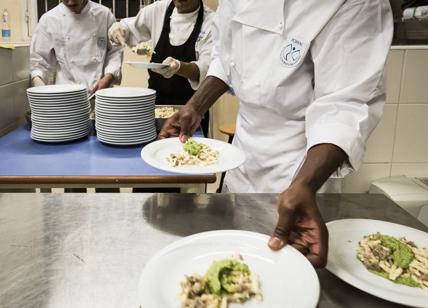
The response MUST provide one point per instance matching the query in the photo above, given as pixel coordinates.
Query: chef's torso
(267, 60)
(80, 42)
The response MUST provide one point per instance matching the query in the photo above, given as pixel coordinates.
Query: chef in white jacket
(309, 76)
(180, 31)
(72, 41)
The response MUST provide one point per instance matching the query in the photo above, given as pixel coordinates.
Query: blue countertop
(21, 157)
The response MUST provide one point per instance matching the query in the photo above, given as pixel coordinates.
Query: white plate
(129, 100)
(287, 279)
(342, 260)
(146, 65)
(156, 153)
(124, 92)
(57, 89)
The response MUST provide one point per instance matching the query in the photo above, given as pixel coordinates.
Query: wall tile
(414, 86)
(360, 181)
(411, 140)
(413, 170)
(394, 67)
(21, 63)
(6, 106)
(5, 61)
(20, 100)
(380, 145)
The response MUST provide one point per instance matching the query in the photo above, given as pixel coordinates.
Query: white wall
(399, 145)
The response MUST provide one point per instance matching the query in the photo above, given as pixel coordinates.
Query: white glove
(118, 33)
(37, 82)
(170, 70)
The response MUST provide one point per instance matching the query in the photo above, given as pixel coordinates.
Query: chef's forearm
(207, 94)
(189, 71)
(321, 161)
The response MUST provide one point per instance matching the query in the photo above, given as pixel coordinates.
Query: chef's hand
(300, 224)
(169, 71)
(37, 82)
(118, 33)
(182, 124)
(103, 83)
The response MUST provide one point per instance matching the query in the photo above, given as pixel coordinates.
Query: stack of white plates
(125, 116)
(59, 113)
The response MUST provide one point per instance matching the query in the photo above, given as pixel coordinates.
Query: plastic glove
(169, 71)
(118, 33)
(37, 82)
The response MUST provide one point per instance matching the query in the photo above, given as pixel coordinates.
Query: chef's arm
(349, 92)
(207, 94)
(113, 60)
(42, 57)
(189, 71)
(321, 161)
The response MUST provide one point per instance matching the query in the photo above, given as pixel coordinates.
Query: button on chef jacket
(75, 46)
(306, 72)
(148, 24)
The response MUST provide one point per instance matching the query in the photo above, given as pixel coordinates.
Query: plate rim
(187, 239)
(146, 150)
(357, 283)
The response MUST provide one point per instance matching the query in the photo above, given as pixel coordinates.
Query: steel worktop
(88, 250)
(83, 163)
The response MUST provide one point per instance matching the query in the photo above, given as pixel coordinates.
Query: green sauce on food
(192, 147)
(220, 275)
(407, 281)
(401, 253)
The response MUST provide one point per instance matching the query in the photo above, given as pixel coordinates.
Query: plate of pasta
(384, 259)
(196, 156)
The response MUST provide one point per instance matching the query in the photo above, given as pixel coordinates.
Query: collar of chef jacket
(84, 11)
(303, 18)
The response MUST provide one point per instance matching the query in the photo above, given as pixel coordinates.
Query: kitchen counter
(88, 250)
(83, 163)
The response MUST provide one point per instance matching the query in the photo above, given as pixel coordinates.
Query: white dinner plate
(129, 100)
(156, 153)
(146, 65)
(56, 89)
(135, 117)
(124, 92)
(55, 97)
(286, 277)
(130, 135)
(342, 259)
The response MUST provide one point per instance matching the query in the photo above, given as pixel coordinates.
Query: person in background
(72, 41)
(309, 76)
(180, 30)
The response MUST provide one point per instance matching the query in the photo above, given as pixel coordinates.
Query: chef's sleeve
(140, 26)
(349, 55)
(203, 49)
(113, 61)
(42, 55)
(220, 35)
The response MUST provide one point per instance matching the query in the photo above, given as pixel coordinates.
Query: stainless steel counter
(88, 250)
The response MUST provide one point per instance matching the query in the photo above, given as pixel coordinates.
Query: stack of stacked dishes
(59, 113)
(125, 116)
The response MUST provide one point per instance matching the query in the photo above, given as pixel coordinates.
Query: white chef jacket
(306, 72)
(75, 46)
(148, 24)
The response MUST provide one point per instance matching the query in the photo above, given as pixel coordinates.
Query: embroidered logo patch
(292, 53)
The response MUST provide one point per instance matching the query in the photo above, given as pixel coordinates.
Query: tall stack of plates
(59, 113)
(125, 116)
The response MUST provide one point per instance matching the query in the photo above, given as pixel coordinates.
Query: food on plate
(227, 281)
(194, 154)
(143, 49)
(164, 112)
(396, 259)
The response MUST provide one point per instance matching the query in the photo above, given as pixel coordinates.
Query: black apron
(176, 90)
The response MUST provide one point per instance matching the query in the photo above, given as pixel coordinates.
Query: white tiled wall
(399, 145)
(14, 80)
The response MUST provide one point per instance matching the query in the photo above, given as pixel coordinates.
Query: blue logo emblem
(292, 53)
